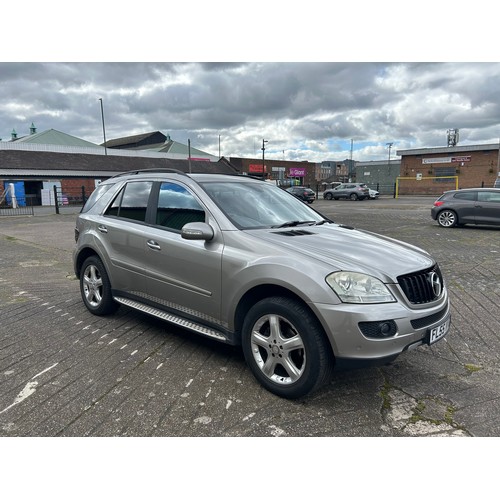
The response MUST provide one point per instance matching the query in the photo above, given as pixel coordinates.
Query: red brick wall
(479, 171)
(74, 186)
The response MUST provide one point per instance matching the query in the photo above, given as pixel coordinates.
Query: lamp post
(263, 149)
(103, 128)
(389, 160)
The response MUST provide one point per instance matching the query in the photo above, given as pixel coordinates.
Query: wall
(473, 169)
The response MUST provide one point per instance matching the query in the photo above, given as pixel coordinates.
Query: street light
(103, 128)
(263, 149)
(389, 161)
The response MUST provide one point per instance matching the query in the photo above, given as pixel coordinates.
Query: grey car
(350, 190)
(242, 262)
(467, 206)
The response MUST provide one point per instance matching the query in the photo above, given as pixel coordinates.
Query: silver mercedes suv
(246, 263)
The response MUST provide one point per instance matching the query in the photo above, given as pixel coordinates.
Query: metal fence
(69, 197)
(23, 207)
(55, 198)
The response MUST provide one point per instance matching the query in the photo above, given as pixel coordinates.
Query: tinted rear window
(96, 194)
(469, 195)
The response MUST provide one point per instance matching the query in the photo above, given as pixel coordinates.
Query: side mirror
(197, 231)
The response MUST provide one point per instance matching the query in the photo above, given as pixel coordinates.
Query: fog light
(378, 329)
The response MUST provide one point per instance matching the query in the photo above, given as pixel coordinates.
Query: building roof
(41, 164)
(55, 137)
(447, 149)
(156, 141)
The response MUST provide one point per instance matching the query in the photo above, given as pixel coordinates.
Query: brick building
(434, 170)
(301, 173)
(34, 172)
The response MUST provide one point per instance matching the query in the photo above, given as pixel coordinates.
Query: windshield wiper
(324, 221)
(293, 223)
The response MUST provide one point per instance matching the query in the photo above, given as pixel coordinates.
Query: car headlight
(359, 288)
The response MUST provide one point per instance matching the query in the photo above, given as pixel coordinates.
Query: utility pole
(103, 127)
(263, 165)
(389, 160)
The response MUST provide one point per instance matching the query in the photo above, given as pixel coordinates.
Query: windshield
(252, 205)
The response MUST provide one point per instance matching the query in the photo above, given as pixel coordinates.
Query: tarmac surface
(65, 372)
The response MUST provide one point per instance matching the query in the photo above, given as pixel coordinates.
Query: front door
(183, 275)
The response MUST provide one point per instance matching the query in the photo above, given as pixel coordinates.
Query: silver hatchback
(243, 262)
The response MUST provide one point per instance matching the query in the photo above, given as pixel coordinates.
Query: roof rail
(150, 171)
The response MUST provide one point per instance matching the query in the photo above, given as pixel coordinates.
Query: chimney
(32, 129)
(13, 134)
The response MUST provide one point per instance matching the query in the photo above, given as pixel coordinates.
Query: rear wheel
(95, 288)
(447, 218)
(286, 348)
(353, 196)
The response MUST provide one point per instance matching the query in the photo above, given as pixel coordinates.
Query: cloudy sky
(305, 110)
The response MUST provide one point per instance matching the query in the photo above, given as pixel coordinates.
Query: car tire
(95, 288)
(353, 196)
(447, 218)
(310, 201)
(286, 348)
(328, 196)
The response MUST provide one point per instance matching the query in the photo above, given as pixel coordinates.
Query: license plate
(438, 332)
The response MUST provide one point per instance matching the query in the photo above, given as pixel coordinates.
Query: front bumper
(341, 323)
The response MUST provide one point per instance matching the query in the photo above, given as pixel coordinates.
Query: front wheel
(447, 218)
(328, 196)
(286, 348)
(95, 287)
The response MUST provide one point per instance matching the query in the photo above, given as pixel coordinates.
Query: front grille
(422, 287)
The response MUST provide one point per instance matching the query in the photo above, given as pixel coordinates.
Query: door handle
(153, 245)
(102, 229)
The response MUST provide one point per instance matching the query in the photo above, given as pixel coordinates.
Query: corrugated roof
(43, 164)
(52, 136)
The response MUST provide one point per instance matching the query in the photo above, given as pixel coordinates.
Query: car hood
(343, 248)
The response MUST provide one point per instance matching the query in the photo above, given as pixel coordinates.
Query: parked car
(243, 262)
(351, 190)
(303, 193)
(467, 206)
(373, 194)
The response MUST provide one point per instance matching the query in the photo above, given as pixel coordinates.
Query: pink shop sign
(297, 172)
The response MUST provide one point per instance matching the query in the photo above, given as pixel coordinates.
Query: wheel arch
(82, 256)
(254, 295)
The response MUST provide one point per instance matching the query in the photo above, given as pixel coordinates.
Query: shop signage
(297, 172)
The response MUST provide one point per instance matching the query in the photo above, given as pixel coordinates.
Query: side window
(467, 195)
(490, 196)
(177, 206)
(132, 201)
(95, 196)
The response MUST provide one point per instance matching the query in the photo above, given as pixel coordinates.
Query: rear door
(121, 231)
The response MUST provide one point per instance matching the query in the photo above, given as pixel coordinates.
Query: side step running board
(172, 318)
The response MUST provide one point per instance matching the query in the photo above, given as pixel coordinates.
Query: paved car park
(65, 372)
